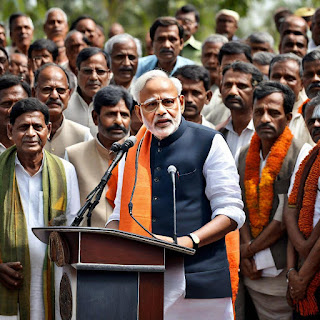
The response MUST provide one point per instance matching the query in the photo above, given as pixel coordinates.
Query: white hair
(122, 38)
(55, 9)
(215, 38)
(141, 82)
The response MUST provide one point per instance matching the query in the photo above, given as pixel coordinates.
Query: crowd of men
(239, 119)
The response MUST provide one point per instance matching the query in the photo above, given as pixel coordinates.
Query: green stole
(14, 234)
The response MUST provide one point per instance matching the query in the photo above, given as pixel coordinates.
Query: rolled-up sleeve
(222, 182)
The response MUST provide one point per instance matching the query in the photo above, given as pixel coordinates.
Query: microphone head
(172, 169)
(115, 147)
(129, 143)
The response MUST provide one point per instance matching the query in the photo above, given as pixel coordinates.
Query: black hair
(247, 68)
(164, 22)
(86, 53)
(47, 44)
(82, 17)
(235, 47)
(266, 88)
(9, 80)
(110, 96)
(286, 57)
(314, 55)
(189, 8)
(50, 64)
(195, 73)
(28, 105)
(5, 52)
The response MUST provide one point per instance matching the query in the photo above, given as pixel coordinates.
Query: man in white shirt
(93, 74)
(207, 207)
(238, 82)
(37, 189)
(52, 88)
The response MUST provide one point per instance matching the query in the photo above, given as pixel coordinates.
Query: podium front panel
(107, 295)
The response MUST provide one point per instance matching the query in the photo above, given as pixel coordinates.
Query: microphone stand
(96, 193)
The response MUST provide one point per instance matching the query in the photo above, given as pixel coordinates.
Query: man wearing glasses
(208, 195)
(93, 74)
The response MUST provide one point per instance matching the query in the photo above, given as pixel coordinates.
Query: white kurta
(31, 194)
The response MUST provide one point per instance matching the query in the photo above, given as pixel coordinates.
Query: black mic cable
(172, 171)
(130, 204)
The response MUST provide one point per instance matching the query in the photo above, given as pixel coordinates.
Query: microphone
(130, 142)
(172, 170)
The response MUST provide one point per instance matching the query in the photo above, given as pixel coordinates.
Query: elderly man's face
(93, 75)
(56, 27)
(259, 47)
(288, 73)
(226, 25)
(296, 44)
(113, 122)
(53, 90)
(161, 119)
(209, 59)
(124, 62)
(167, 44)
(22, 32)
(29, 132)
(311, 78)
(3, 40)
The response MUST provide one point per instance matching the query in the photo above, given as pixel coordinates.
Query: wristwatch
(195, 240)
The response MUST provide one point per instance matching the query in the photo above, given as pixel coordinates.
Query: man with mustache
(52, 88)
(195, 89)
(124, 51)
(238, 82)
(207, 207)
(311, 114)
(266, 167)
(93, 67)
(3, 38)
(167, 41)
(111, 114)
(311, 73)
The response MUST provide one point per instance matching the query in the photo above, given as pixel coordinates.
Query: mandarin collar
(173, 137)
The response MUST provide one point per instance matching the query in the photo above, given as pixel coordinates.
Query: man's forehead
(311, 64)
(167, 29)
(286, 65)
(275, 99)
(129, 44)
(55, 15)
(52, 73)
(121, 105)
(237, 75)
(33, 116)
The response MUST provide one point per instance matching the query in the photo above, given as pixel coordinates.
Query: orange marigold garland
(307, 306)
(259, 192)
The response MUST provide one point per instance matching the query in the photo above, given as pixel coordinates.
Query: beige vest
(67, 135)
(281, 186)
(90, 160)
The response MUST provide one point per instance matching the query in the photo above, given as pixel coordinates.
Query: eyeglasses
(152, 105)
(89, 71)
(40, 58)
(185, 21)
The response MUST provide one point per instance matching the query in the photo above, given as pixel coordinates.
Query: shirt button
(159, 149)
(158, 168)
(156, 179)
(155, 198)
(154, 219)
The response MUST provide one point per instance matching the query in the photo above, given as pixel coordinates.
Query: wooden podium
(109, 274)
